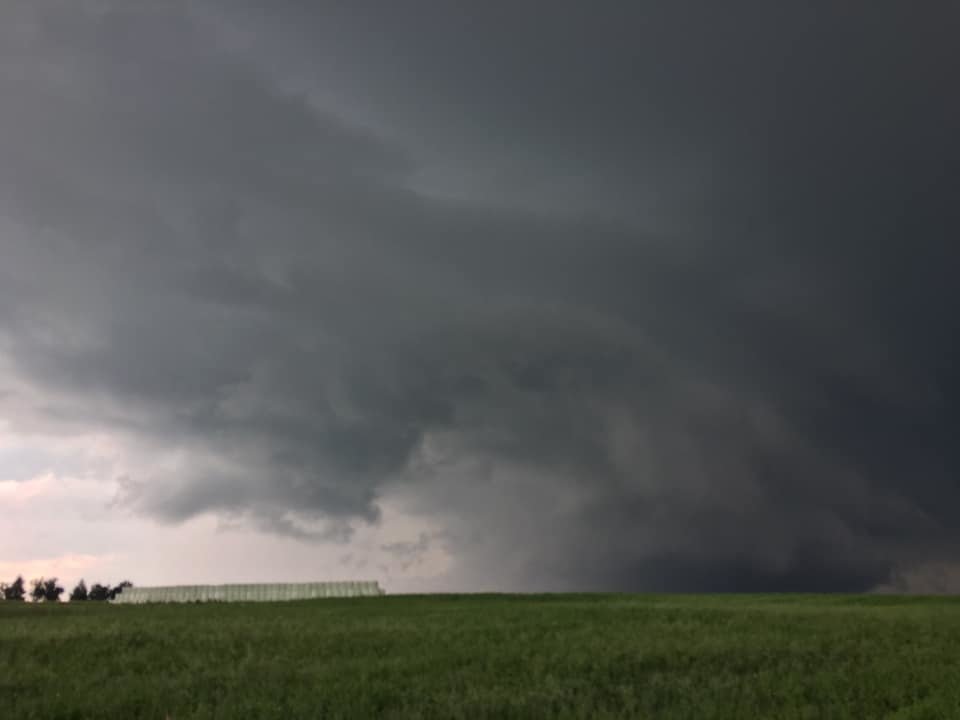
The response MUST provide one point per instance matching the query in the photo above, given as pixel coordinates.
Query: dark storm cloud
(686, 325)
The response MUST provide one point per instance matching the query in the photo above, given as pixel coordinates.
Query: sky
(479, 296)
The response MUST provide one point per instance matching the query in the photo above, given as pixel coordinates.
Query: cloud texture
(618, 296)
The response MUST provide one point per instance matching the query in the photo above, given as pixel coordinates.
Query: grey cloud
(409, 554)
(926, 579)
(727, 364)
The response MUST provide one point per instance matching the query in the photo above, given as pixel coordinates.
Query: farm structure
(264, 592)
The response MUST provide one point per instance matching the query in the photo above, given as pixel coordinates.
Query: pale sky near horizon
(466, 296)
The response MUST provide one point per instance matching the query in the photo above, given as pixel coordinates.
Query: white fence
(266, 592)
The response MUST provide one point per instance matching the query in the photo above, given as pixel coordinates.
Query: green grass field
(563, 656)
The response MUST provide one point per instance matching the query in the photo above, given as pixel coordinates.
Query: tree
(52, 591)
(98, 592)
(46, 590)
(15, 591)
(119, 589)
(79, 593)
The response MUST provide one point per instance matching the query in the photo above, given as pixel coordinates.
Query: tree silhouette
(119, 589)
(46, 590)
(79, 593)
(52, 591)
(15, 591)
(98, 592)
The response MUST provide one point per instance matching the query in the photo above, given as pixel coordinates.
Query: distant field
(563, 656)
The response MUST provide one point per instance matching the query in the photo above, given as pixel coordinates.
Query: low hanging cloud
(686, 328)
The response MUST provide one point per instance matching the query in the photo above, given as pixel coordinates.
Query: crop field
(487, 656)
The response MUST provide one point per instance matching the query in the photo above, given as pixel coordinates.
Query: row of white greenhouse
(266, 592)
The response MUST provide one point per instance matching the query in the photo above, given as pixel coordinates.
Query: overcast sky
(481, 295)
